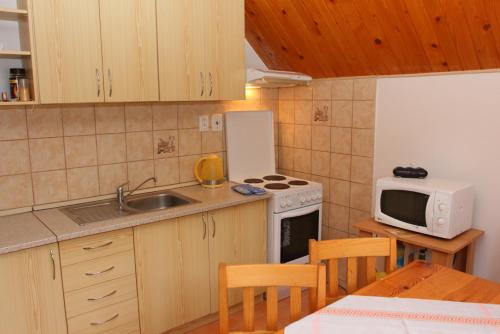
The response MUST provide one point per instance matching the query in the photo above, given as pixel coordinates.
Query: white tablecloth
(360, 314)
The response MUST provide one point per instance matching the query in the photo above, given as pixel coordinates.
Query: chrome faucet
(120, 196)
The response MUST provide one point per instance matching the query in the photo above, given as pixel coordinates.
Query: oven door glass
(295, 235)
(405, 206)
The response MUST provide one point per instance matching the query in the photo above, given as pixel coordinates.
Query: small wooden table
(443, 250)
(432, 281)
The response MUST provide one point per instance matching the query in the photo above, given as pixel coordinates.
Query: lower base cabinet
(177, 262)
(31, 292)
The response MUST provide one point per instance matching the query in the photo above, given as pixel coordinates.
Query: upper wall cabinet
(72, 67)
(129, 56)
(68, 45)
(201, 49)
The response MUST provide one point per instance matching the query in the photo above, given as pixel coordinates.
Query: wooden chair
(352, 249)
(271, 276)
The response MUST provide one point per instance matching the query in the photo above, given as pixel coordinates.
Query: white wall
(450, 125)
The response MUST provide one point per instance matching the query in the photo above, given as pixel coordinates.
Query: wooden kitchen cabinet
(172, 267)
(32, 293)
(129, 55)
(177, 262)
(68, 48)
(201, 50)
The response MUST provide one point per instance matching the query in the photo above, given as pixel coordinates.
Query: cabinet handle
(98, 80)
(52, 257)
(110, 82)
(102, 297)
(211, 84)
(97, 247)
(202, 78)
(95, 273)
(213, 222)
(204, 226)
(105, 321)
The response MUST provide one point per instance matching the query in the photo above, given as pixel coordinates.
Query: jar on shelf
(15, 75)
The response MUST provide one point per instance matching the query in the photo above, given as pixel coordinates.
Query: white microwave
(441, 208)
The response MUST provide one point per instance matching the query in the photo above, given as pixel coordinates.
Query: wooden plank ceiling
(331, 38)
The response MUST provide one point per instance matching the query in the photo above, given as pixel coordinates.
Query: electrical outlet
(217, 122)
(204, 123)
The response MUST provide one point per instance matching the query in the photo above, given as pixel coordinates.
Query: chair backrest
(352, 249)
(271, 276)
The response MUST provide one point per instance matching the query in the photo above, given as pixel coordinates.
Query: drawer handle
(102, 297)
(99, 323)
(97, 247)
(100, 272)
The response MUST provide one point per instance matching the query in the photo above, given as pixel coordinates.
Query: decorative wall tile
(47, 154)
(13, 124)
(14, 157)
(110, 118)
(166, 143)
(322, 112)
(138, 117)
(15, 191)
(111, 176)
(111, 148)
(44, 122)
(78, 120)
(80, 151)
(139, 146)
(83, 182)
(50, 187)
(165, 116)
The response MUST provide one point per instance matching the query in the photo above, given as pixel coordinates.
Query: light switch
(217, 122)
(204, 123)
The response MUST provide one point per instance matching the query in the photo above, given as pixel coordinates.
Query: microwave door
(411, 208)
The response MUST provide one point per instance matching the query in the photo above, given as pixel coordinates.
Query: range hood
(273, 79)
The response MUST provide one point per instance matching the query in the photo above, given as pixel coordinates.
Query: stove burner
(253, 181)
(274, 178)
(277, 186)
(298, 183)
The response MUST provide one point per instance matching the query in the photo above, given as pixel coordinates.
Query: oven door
(292, 231)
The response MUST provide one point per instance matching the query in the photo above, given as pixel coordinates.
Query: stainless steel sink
(155, 201)
(93, 212)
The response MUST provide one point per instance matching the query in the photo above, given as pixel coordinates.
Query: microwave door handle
(429, 212)
(300, 212)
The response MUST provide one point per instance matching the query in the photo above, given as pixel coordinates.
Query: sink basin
(94, 212)
(155, 201)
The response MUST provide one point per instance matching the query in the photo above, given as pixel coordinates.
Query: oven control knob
(441, 221)
(308, 198)
(442, 207)
(283, 204)
(302, 200)
(289, 203)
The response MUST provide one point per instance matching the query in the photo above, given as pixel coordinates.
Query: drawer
(101, 295)
(120, 318)
(94, 246)
(96, 271)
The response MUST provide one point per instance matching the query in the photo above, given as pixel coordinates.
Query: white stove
(294, 210)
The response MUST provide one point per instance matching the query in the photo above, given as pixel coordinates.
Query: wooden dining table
(433, 281)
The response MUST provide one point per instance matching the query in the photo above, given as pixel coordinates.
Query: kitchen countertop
(209, 199)
(22, 231)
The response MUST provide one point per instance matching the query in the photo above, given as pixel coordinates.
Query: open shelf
(14, 54)
(12, 13)
(17, 103)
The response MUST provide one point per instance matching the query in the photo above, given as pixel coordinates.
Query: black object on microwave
(410, 172)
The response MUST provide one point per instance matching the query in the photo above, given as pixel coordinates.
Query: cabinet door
(173, 49)
(172, 273)
(130, 63)
(68, 47)
(252, 218)
(225, 246)
(211, 39)
(231, 75)
(31, 290)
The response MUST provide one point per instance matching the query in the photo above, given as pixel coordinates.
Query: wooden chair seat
(270, 276)
(351, 249)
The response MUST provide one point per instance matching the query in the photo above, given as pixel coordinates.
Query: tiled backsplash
(326, 135)
(57, 153)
